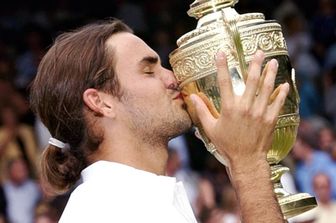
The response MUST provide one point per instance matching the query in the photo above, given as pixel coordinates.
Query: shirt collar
(106, 171)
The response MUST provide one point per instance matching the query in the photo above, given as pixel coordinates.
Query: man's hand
(243, 134)
(243, 131)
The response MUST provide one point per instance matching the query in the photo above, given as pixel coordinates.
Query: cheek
(148, 89)
(147, 97)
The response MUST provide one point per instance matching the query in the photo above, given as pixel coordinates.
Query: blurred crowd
(27, 29)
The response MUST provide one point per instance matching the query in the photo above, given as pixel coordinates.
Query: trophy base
(293, 205)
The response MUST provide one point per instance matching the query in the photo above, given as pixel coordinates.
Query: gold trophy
(220, 27)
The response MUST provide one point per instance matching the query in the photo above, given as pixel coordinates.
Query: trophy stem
(291, 204)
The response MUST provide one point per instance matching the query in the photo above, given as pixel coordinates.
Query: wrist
(246, 169)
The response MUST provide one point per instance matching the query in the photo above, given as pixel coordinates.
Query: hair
(78, 60)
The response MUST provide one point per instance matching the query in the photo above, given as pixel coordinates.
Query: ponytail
(61, 169)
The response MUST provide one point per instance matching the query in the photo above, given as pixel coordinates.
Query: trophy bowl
(220, 27)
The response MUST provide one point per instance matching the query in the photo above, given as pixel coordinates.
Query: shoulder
(91, 202)
(322, 156)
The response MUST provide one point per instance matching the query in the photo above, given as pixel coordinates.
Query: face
(326, 138)
(8, 117)
(18, 172)
(43, 219)
(150, 105)
(322, 188)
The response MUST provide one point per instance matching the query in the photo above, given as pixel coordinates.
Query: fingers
(268, 85)
(262, 78)
(274, 94)
(224, 79)
(278, 103)
(253, 77)
(203, 113)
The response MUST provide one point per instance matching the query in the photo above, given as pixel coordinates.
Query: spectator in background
(179, 144)
(8, 94)
(7, 67)
(326, 137)
(214, 215)
(310, 162)
(330, 93)
(2, 219)
(310, 99)
(27, 62)
(44, 213)
(285, 8)
(16, 140)
(326, 210)
(323, 28)
(227, 212)
(22, 192)
(299, 43)
(229, 204)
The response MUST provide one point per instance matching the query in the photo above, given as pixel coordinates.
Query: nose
(169, 79)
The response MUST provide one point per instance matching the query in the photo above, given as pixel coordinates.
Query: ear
(100, 103)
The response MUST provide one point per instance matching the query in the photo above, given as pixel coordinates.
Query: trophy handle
(230, 22)
(210, 147)
(293, 76)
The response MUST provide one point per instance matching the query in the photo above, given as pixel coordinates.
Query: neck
(134, 152)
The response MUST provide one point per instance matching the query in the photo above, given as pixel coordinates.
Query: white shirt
(113, 192)
(21, 201)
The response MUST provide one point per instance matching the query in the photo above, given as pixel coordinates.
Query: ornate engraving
(203, 59)
(249, 17)
(198, 61)
(288, 120)
(194, 58)
(266, 41)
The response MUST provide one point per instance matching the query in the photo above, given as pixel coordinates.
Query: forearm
(255, 194)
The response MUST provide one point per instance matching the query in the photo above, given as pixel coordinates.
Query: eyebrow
(149, 60)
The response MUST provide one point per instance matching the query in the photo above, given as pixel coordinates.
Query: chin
(182, 125)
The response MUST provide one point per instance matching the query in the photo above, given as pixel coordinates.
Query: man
(326, 211)
(21, 192)
(111, 109)
(311, 161)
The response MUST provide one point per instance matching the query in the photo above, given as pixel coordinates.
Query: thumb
(203, 113)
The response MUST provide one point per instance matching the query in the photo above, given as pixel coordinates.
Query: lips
(178, 96)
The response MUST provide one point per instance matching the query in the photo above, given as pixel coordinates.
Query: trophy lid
(199, 8)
